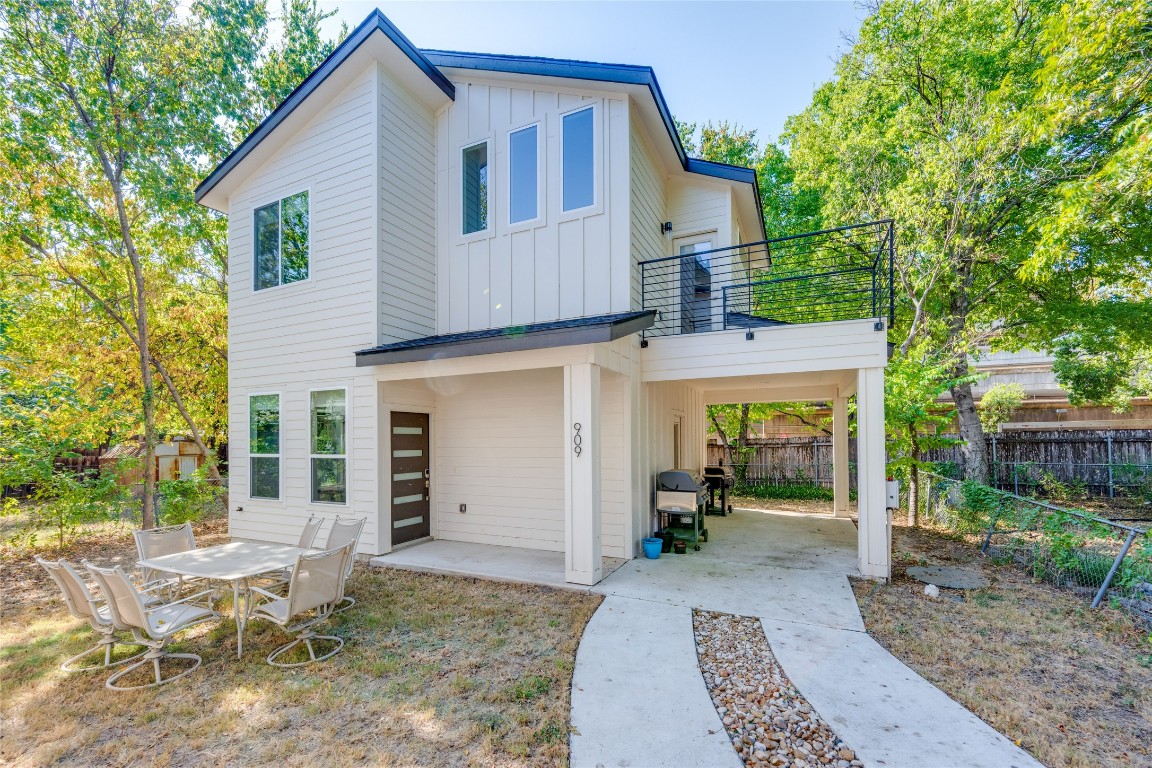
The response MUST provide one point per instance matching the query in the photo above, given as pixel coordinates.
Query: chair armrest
(266, 593)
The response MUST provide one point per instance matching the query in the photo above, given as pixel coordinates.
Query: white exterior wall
(662, 404)
(406, 161)
(560, 266)
(698, 207)
(649, 208)
(301, 336)
(499, 449)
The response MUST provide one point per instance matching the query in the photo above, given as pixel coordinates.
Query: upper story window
(281, 242)
(523, 175)
(578, 160)
(264, 446)
(475, 164)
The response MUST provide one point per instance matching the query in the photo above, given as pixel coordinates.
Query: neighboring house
(177, 458)
(486, 299)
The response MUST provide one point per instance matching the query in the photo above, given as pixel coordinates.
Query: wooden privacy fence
(790, 460)
(1099, 462)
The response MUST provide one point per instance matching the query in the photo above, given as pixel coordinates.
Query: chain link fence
(1063, 547)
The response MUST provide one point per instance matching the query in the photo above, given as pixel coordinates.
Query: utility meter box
(892, 488)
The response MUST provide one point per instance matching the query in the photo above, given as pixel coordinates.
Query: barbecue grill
(719, 478)
(680, 501)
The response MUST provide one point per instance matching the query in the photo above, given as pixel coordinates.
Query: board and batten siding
(407, 233)
(561, 265)
(293, 338)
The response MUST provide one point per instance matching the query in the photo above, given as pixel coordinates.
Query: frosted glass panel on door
(407, 430)
(407, 476)
(407, 454)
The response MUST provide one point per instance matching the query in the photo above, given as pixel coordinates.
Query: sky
(751, 63)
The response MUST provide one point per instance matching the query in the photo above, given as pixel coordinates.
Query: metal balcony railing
(835, 274)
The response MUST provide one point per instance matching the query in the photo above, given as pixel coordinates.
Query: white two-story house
(487, 298)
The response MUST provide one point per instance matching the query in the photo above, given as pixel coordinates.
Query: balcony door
(695, 282)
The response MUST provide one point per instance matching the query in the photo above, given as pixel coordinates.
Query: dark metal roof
(557, 333)
(630, 74)
(376, 21)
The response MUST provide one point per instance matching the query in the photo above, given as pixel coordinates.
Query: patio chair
(315, 589)
(151, 626)
(156, 542)
(307, 539)
(343, 533)
(84, 605)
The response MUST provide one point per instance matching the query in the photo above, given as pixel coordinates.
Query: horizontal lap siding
(802, 348)
(615, 493)
(498, 449)
(407, 159)
(697, 207)
(300, 336)
(649, 210)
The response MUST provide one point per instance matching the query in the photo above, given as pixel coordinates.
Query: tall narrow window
(264, 446)
(579, 160)
(280, 241)
(329, 456)
(523, 176)
(476, 188)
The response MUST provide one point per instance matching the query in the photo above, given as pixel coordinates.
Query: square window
(280, 242)
(579, 166)
(475, 162)
(523, 175)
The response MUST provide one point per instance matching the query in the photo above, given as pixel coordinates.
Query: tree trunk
(148, 509)
(973, 451)
(741, 469)
(723, 439)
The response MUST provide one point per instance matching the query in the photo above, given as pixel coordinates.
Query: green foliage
(999, 403)
(793, 491)
(189, 500)
(1109, 368)
(914, 417)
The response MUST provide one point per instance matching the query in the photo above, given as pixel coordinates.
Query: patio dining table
(235, 562)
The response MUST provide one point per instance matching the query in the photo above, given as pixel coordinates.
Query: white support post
(840, 484)
(875, 530)
(582, 561)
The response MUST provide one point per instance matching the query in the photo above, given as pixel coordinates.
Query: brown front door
(411, 518)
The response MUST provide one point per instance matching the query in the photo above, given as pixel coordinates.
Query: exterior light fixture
(666, 229)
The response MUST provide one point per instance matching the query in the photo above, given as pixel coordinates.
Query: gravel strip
(769, 722)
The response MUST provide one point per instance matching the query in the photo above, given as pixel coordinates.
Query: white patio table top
(235, 562)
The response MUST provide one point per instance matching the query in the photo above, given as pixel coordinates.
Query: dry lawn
(437, 671)
(1070, 684)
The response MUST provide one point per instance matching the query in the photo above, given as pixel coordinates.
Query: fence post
(1115, 566)
(991, 528)
(816, 461)
(1109, 468)
(995, 466)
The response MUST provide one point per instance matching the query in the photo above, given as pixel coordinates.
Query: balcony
(818, 277)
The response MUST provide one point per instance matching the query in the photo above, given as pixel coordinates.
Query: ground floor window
(328, 440)
(264, 446)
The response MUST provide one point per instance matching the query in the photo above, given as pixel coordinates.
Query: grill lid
(677, 480)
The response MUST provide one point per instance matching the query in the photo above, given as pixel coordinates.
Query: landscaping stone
(767, 720)
(948, 576)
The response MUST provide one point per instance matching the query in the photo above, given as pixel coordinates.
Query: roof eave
(375, 22)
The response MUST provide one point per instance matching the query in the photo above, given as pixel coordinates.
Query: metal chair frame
(153, 626)
(344, 533)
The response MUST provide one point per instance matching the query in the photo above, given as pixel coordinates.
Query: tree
(113, 112)
(999, 403)
(927, 122)
(914, 417)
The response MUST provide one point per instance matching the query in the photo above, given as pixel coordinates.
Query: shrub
(188, 500)
(795, 491)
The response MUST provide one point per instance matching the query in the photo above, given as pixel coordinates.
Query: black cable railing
(845, 273)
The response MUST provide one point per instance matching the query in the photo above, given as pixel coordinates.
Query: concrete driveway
(638, 698)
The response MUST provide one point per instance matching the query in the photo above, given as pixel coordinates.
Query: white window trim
(347, 455)
(541, 218)
(252, 222)
(458, 186)
(279, 455)
(597, 205)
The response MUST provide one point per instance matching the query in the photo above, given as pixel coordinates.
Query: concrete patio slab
(891, 716)
(485, 561)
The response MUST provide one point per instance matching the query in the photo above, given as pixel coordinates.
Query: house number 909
(577, 440)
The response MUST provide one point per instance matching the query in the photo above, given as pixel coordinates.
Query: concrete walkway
(638, 698)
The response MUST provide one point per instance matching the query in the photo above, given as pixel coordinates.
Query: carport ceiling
(778, 388)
